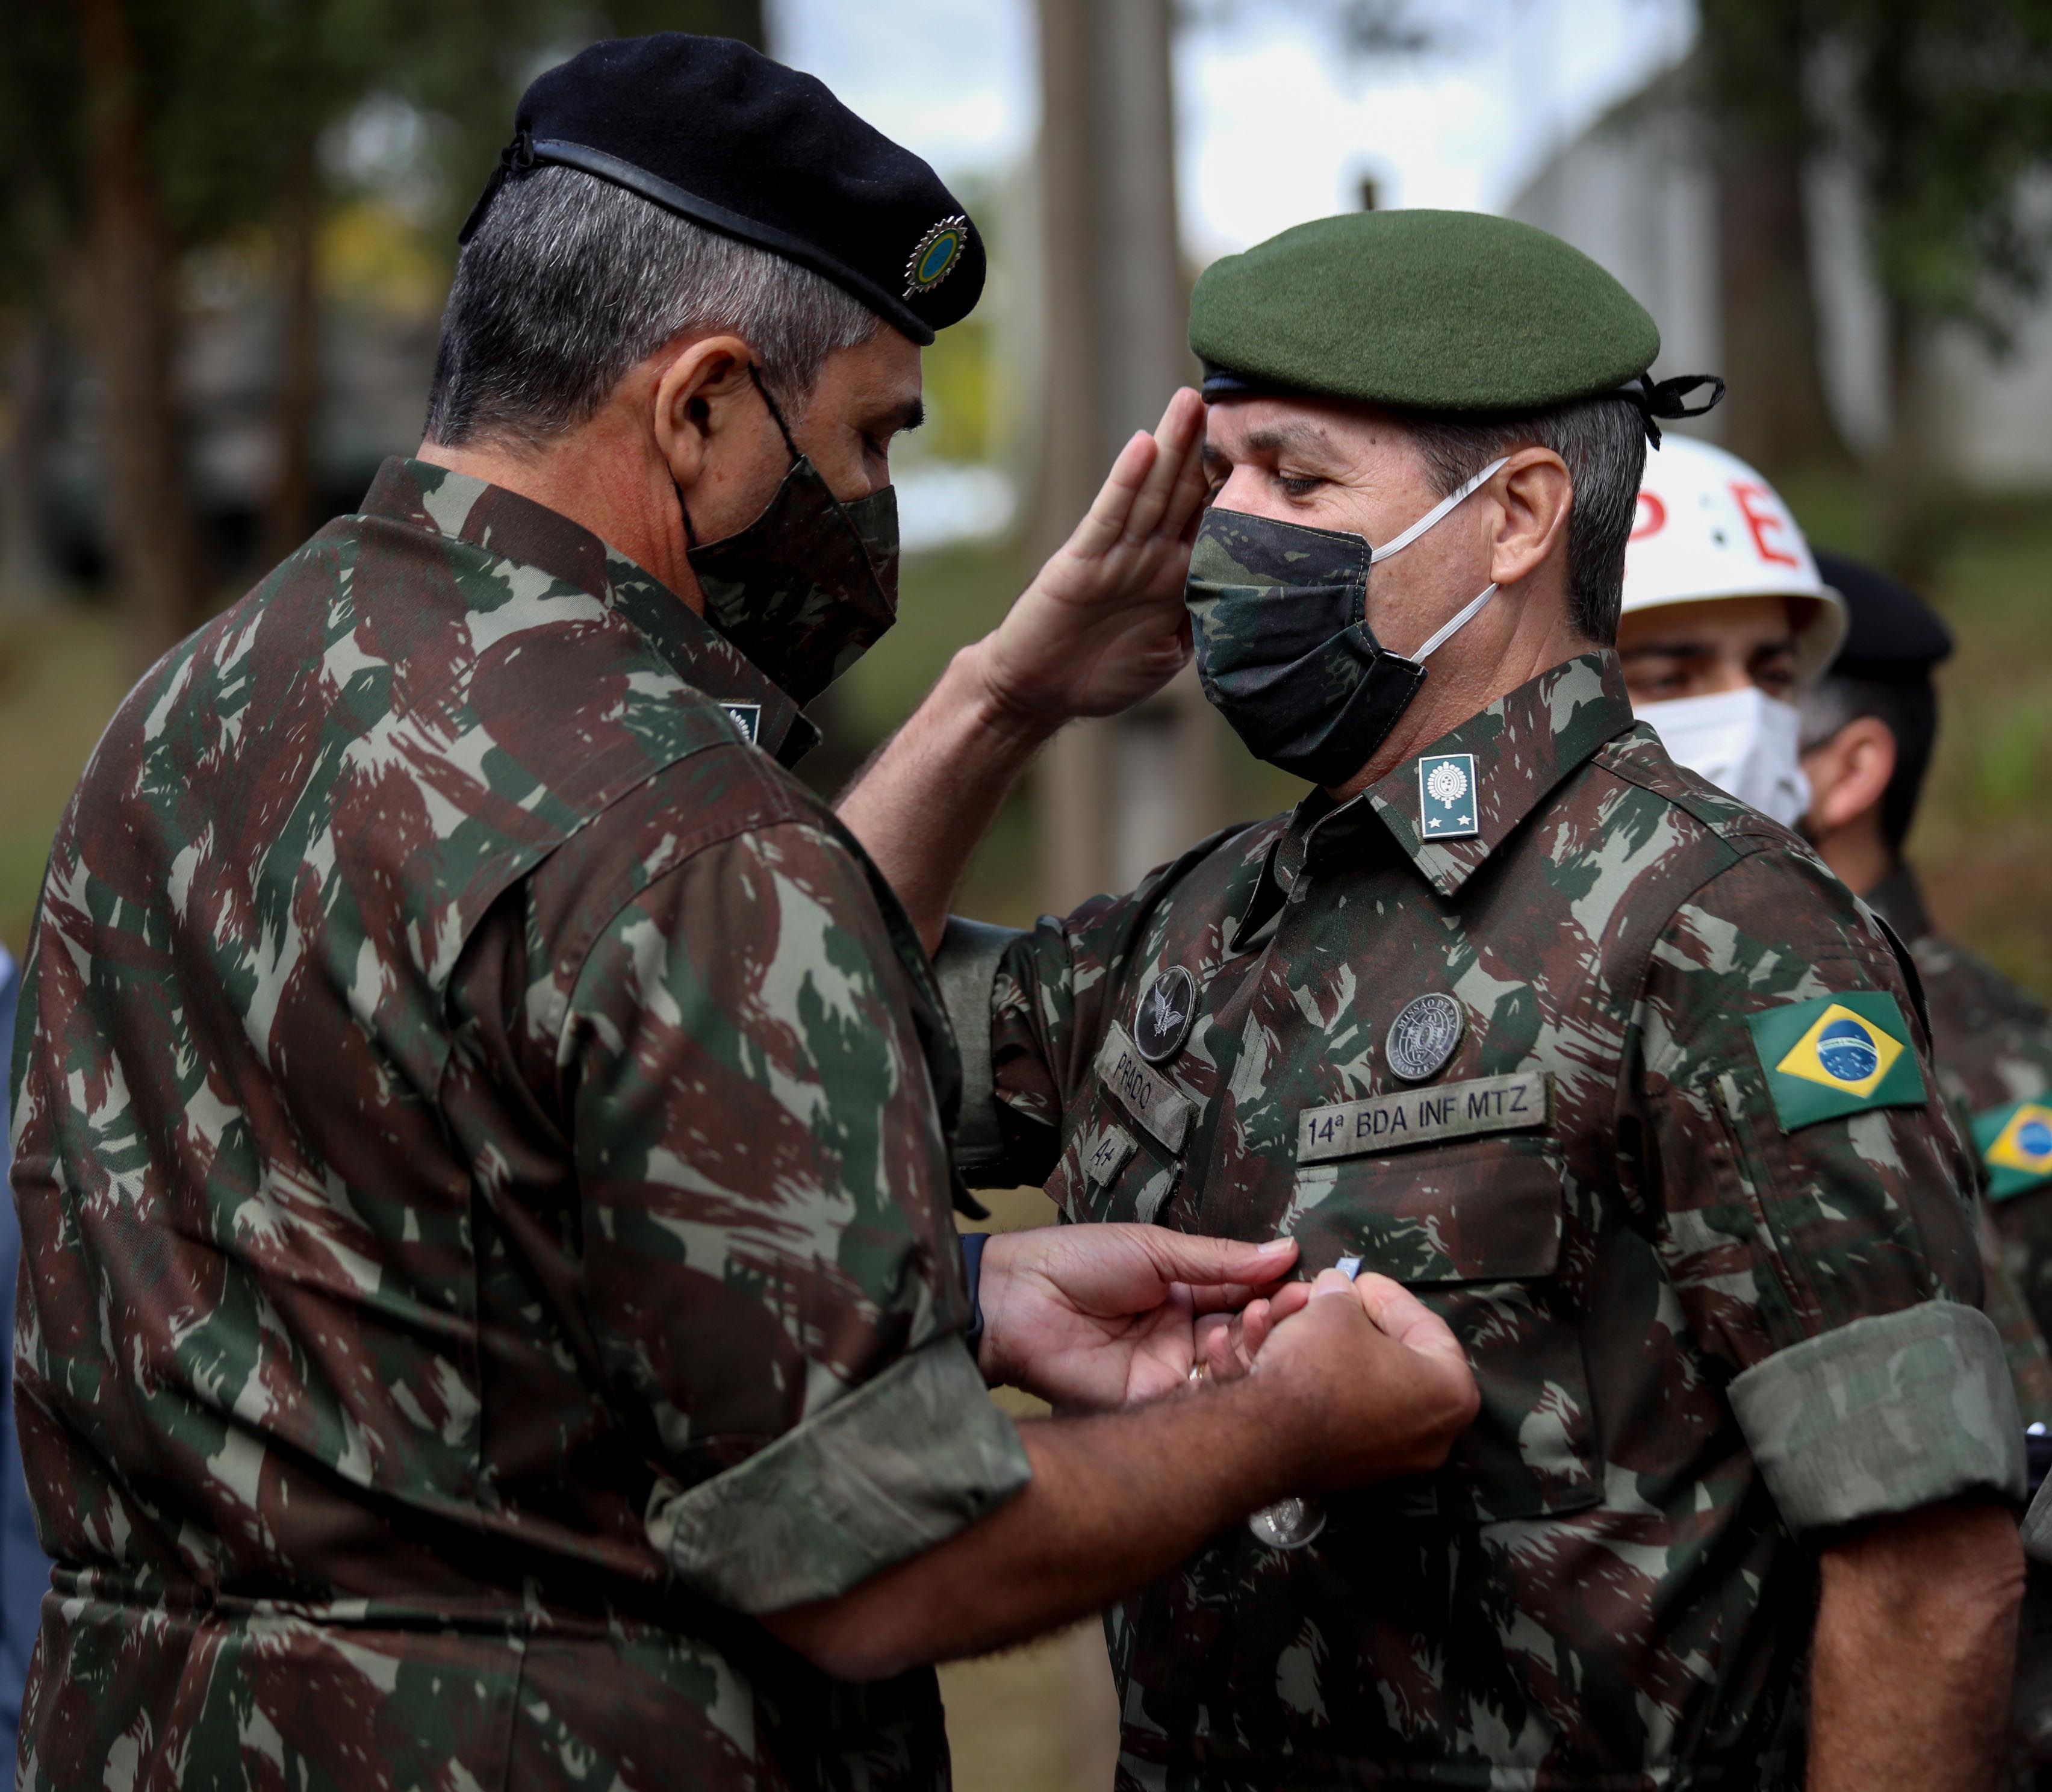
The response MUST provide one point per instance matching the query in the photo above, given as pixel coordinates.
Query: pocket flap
(1487, 1211)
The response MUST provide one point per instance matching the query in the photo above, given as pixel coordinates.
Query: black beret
(718, 133)
(1892, 635)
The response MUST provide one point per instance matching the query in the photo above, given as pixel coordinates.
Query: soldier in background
(492, 1315)
(1869, 727)
(1728, 623)
(1603, 1061)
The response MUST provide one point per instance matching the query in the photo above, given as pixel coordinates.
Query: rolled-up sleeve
(1818, 1225)
(772, 1272)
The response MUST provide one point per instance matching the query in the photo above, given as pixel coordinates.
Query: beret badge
(936, 256)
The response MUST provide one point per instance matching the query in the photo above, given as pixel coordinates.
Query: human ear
(1536, 495)
(693, 402)
(1848, 773)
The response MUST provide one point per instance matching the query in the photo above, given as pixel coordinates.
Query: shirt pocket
(1111, 1169)
(1475, 1230)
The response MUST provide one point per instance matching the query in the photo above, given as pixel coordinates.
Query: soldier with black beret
(491, 1315)
(1604, 1065)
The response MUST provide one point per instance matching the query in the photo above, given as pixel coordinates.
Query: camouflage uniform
(1993, 1042)
(1700, 1333)
(481, 1154)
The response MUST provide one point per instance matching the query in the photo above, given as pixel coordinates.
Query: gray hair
(570, 282)
(1603, 442)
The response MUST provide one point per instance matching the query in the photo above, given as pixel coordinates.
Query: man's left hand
(1099, 1316)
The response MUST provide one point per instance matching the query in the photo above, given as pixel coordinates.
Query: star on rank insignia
(1162, 1022)
(1446, 795)
(1835, 1056)
(2015, 1143)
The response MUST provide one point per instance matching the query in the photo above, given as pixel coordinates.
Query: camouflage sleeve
(1812, 1200)
(774, 1279)
(1031, 1003)
(965, 966)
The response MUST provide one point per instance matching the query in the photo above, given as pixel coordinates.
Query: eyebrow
(1279, 440)
(900, 418)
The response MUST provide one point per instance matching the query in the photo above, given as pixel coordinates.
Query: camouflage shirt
(1712, 1305)
(1993, 1040)
(482, 1162)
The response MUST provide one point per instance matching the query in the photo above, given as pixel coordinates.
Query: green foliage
(1943, 108)
(235, 90)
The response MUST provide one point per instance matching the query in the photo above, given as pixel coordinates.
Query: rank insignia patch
(745, 716)
(2015, 1143)
(1446, 795)
(1840, 1055)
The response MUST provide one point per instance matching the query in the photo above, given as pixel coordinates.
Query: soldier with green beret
(491, 1314)
(1603, 1064)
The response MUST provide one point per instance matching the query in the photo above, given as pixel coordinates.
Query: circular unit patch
(1424, 1036)
(1846, 1051)
(1161, 1022)
(936, 256)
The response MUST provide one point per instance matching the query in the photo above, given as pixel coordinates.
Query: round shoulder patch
(1424, 1036)
(1161, 1022)
(936, 256)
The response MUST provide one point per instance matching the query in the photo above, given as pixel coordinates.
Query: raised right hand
(1366, 1382)
(1102, 624)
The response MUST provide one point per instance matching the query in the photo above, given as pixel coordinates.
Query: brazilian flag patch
(1841, 1054)
(2015, 1143)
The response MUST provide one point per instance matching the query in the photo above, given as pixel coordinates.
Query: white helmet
(1709, 527)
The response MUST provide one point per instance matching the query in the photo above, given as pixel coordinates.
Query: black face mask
(1279, 613)
(811, 585)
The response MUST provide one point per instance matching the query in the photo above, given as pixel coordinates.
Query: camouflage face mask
(811, 585)
(1284, 651)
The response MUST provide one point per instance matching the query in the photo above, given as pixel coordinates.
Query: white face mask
(1745, 742)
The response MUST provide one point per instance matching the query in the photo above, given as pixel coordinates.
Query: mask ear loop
(777, 416)
(1439, 510)
(783, 430)
(1470, 611)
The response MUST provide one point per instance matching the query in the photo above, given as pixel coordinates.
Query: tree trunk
(292, 497)
(1777, 416)
(1754, 69)
(1910, 495)
(133, 330)
(26, 575)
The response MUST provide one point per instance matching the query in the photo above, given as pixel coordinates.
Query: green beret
(1428, 309)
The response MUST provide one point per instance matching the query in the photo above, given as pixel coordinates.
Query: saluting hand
(1099, 1316)
(1103, 625)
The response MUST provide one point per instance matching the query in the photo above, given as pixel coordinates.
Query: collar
(518, 533)
(1524, 744)
(1898, 899)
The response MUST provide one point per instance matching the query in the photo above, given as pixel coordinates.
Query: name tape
(1385, 1123)
(1142, 1091)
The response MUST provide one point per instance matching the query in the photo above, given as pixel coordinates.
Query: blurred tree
(140, 130)
(1942, 110)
